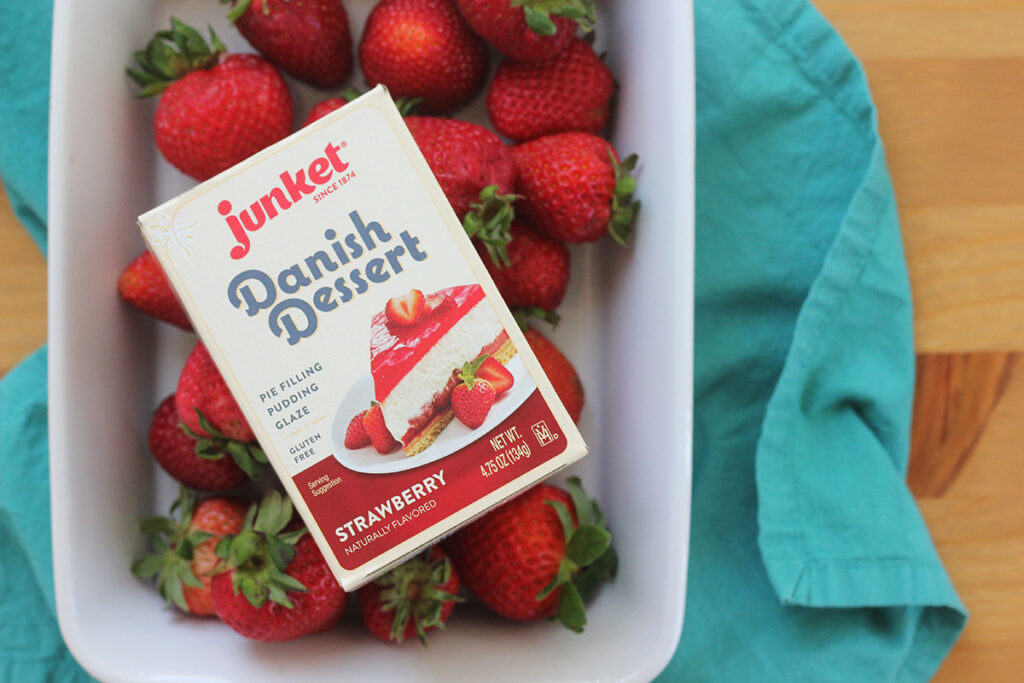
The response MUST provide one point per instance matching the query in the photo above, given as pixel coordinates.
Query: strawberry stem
(538, 14)
(490, 221)
(413, 591)
(624, 207)
(261, 552)
(468, 372)
(172, 548)
(249, 457)
(588, 561)
(172, 54)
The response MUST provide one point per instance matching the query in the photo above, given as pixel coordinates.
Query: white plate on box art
(454, 437)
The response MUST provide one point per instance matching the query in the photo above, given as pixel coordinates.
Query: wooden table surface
(948, 79)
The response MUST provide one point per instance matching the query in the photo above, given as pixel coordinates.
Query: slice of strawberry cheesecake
(417, 345)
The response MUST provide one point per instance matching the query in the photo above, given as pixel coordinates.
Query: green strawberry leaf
(274, 513)
(490, 221)
(538, 14)
(523, 314)
(172, 54)
(147, 566)
(624, 208)
(587, 544)
(580, 501)
(281, 553)
(538, 21)
(468, 372)
(591, 578)
(571, 611)
(258, 556)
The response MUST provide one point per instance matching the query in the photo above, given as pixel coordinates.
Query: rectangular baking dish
(627, 326)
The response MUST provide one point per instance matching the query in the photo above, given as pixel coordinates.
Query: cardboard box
(287, 265)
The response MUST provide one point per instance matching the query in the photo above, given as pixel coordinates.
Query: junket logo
(294, 186)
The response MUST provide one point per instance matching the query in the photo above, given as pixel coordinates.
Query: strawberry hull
(302, 274)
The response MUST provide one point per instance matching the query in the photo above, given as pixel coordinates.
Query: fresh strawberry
(542, 554)
(183, 557)
(465, 159)
(559, 370)
(423, 48)
(144, 285)
(380, 437)
(274, 584)
(536, 272)
(175, 451)
(574, 188)
(495, 374)
(473, 397)
(405, 310)
(569, 92)
(310, 39)
(355, 435)
(203, 395)
(416, 597)
(324, 108)
(216, 109)
(439, 302)
(528, 30)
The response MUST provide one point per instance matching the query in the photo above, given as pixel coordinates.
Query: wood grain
(22, 291)
(948, 79)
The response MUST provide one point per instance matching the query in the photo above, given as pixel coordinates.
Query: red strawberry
(175, 451)
(405, 310)
(144, 285)
(324, 108)
(355, 435)
(414, 598)
(574, 188)
(380, 437)
(201, 388)
(216, 109)
(275, 585)
(439, 302)
(559, 370)
(495, 374)
(473, 397)
(536, 272)
(464, 157)
(423, 48)
(571, 91)
(310, 39)
(530, 30)
(542, 554)
(183, 559)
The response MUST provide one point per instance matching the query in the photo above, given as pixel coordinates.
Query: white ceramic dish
(455, 435)
(627, 325)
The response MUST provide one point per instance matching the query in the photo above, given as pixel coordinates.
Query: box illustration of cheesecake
(332, 284)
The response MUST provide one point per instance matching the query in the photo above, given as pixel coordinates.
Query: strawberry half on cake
(418, 344)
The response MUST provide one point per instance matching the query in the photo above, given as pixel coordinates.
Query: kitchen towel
(809, 560)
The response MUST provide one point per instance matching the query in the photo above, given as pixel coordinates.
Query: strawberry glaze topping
(394, 351)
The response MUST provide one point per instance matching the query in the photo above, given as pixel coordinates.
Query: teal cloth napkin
(809, 560)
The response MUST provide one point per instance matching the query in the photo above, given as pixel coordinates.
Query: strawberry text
(391, 506)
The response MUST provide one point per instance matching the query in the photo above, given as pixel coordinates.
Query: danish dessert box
(327, 274)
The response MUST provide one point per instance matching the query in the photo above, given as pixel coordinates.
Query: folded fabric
(809, 559)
